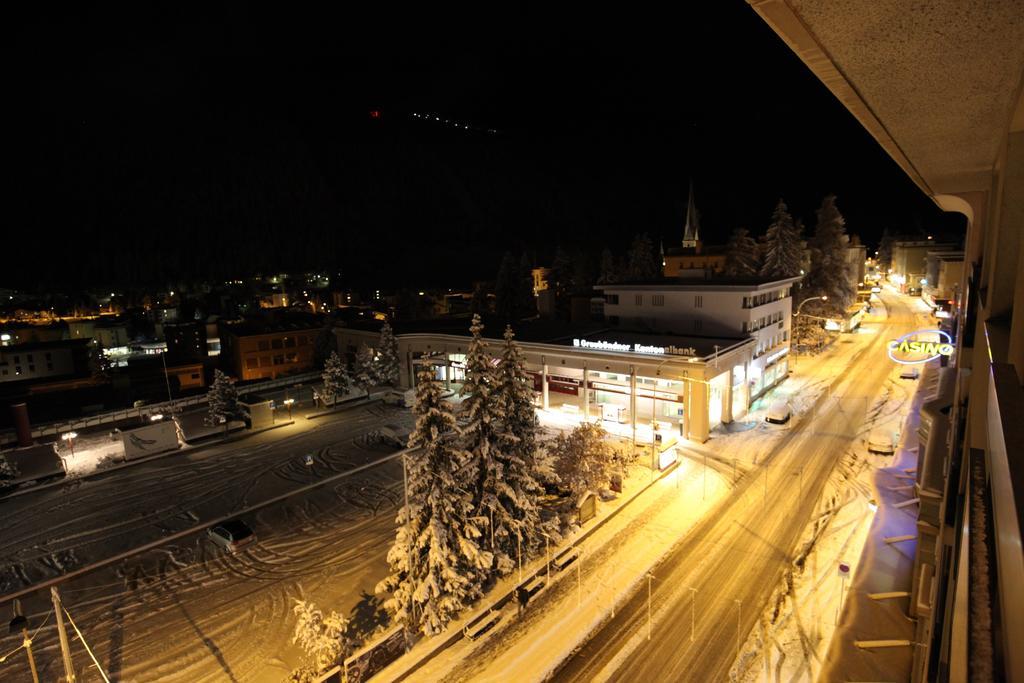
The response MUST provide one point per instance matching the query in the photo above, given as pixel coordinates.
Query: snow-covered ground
(188, 611)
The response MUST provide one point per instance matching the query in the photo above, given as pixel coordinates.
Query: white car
(232, 535)
(778, 413)
(881, 441)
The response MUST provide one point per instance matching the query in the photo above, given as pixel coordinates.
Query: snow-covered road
(187, 611)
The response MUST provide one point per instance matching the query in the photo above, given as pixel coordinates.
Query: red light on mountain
(375, 113)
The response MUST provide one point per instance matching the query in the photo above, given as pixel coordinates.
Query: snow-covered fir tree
(642, 260)
(321, 637)
(479, 422)
(8, 470)
(335, 377)
(584, 459)
(436, 563)
(607, 273)
(514, 496)
(364, 371)
(741, 257)
(885, 251)
(505, 288)
(223, 401)
(388, 364)
(526, 302)
(830, 270)
(782, 249)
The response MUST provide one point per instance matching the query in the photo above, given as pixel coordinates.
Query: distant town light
(156, 418)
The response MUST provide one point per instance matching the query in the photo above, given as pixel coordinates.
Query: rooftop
(541, 331)
(710, 282)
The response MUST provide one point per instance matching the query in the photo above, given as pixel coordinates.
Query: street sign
(844, 569)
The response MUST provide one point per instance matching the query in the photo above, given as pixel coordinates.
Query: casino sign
(920, 346)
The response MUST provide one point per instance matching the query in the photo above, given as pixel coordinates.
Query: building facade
(253, 350)
(756, 308)
(684, 386)
(44, 360)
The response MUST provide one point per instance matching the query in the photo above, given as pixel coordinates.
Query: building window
(289, 342)
(29, 357)
(698, 301)
(611, 298)
(276, 344)
(265, 361)
(279, 359)
(697, 325)
(658, 300)
(264, 345)
(31, 368)
(195, 375)
(639, 299)
(251, 363)
(49, 366)
(303, 340)
(291, 357)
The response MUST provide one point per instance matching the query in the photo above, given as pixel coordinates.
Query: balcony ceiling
(936, 82)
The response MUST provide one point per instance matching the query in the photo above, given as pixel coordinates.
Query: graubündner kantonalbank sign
(633, 348)
(920, 346)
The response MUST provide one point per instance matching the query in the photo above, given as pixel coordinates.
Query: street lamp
(796, 347)
(288, 402)
(70, 438)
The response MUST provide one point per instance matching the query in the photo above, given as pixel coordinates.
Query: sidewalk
(884, 568)
(586, 592)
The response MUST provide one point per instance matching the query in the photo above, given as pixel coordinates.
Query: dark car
(232, 535)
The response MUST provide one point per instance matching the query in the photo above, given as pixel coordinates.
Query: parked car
(881, 441)
(910, 372)
(232, 535)
(778, 413)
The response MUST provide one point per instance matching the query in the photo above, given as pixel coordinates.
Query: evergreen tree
(505, 288)
(526, 302)
(830, 272)
(642, 260)
(223, 401)
(741, 256)
(478, 304)
(436, 561)
(365, 369)
(479, 417)
(885, 251)
(8, 470)
(782, 250)
(514, 496)
(388, 364)
(560, 280)
(335, 377)
(324, 345)
(608, 274)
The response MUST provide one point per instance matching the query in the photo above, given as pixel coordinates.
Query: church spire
(691, 234)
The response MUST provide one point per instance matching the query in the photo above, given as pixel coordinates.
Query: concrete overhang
(937, 84)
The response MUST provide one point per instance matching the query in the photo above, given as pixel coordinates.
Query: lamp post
(70, 438)
(796, 347)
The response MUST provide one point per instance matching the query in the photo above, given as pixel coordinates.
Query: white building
(758, 308)
(630, 380)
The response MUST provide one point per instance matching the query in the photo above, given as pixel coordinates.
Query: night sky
(156, 147)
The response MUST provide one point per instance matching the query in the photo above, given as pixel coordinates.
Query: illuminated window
(639, 299)
(658, 300)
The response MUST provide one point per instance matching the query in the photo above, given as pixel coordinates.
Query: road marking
(868, 644)
(898, 539)
(890, 594)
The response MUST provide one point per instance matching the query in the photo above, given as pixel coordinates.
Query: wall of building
(23, 363)
(267, 356)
